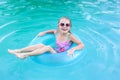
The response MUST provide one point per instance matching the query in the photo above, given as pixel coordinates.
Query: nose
(64, 26)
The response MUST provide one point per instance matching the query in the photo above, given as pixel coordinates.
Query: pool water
(96, 22)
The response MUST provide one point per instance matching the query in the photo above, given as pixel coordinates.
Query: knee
(40, 45)
(48, 47)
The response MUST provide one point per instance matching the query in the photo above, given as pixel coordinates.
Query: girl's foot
(22, 56)
(17, 51)
(13, 51)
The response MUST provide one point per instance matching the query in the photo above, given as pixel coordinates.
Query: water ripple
(7, 35)
(6, 24)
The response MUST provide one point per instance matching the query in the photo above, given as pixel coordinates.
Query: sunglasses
(63, 24)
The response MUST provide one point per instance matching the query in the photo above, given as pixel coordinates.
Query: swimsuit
(62, 46)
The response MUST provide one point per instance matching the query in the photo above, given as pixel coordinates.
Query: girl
(64, 38)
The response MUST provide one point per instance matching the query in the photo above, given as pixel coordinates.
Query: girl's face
(64, 25)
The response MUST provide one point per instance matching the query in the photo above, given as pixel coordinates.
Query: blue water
(96, 22)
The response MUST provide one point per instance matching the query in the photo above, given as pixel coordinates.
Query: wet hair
(64, 17)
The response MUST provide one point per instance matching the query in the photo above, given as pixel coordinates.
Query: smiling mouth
(64, 29)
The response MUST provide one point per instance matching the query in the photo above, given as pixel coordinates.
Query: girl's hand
(41, 34)
(70, 52)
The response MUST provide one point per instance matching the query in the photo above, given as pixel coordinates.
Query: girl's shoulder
(72, 36)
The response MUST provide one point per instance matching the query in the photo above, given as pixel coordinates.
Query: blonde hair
(64, 17)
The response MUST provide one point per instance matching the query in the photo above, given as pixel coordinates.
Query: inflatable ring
(49, 58)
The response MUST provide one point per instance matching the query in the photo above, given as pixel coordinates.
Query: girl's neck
(63, 34)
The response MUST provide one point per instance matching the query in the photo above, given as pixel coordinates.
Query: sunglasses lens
(67, 25)
(62, 24)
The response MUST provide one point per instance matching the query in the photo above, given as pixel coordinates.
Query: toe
(10, 51)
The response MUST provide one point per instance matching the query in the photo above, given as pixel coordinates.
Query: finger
(70, 55)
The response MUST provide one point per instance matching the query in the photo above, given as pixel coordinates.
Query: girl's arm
(78, 47)
(45, 32)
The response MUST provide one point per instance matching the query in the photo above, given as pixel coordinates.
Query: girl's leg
(31, 48)
(26, 49)
(37, 51)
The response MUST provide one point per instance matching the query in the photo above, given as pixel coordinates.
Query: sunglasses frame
(65, 24)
